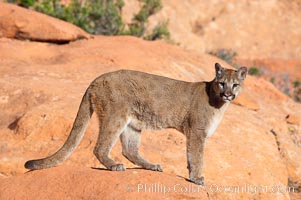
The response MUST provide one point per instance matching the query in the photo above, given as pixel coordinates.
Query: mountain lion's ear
(242, 73)
(219, 70)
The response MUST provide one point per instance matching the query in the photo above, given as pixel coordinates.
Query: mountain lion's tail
(80, 124)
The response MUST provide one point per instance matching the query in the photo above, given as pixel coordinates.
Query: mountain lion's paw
(118, 167)
(198, 181)
(156, 167)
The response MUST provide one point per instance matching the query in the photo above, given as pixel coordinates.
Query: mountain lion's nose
(226, 94)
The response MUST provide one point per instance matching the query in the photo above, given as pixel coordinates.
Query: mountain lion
(126, 102)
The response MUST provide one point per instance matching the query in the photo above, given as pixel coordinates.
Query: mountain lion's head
(228, 82)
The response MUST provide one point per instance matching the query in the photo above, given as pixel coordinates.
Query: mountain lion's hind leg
(130, 140)
(109, 131)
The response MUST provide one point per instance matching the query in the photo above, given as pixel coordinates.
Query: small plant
(297, 91)
(23, 3)
(159, 32)
(296, 84)
(297, 95)
(139, 21)
(227, 55)
(254, 71)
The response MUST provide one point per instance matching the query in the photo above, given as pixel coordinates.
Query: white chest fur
(216, 119)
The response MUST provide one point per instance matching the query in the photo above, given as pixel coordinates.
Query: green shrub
(297, 94)
(227, 55)
(140, 19)
(96, 17)
(102, 16)
(296, 84)
(160, 31)
(254, 71)
(23, 3)
(139, 22)
(297, 91)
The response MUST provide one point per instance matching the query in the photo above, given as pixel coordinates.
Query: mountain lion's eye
(235, 85)
(221, 84)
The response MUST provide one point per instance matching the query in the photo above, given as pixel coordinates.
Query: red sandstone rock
(21, 23)
(86, 183)
(42, 87)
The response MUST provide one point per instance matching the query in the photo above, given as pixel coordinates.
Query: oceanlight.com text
(212, 188)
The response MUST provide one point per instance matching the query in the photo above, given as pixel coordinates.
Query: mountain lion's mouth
(228, 98)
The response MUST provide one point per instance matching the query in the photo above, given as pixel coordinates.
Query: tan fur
(128, 101)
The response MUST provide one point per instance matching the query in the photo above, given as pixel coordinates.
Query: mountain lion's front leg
(195, 154)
